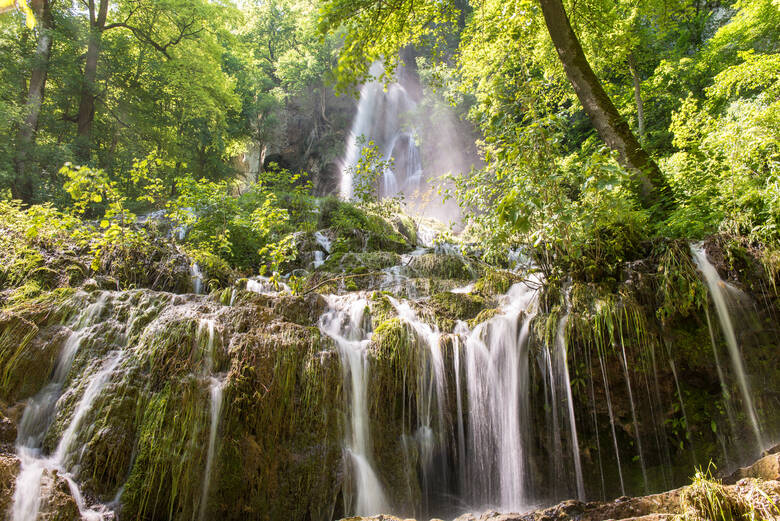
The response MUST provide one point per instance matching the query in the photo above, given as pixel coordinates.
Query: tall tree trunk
(88, 88)
(650, 184)
(640, 109)
(25, 139)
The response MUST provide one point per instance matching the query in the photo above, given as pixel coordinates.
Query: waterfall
(719, 293)
(39, 415)
(207, 328)
(215, 394)
(344, 322)
(432, 381)
(496, 369)
(378, 119)
(563, 368)
(196, 277)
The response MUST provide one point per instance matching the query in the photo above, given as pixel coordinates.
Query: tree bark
(640, 109)
(650, 185)
(25, 139)
(88, 88)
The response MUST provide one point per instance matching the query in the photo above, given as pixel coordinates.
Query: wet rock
(7, 430)
(9, 469)
(57, 502)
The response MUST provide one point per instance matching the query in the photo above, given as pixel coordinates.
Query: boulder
(57, 502)
(767, 468)
(9, 469)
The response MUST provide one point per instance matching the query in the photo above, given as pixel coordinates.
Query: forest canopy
(151, 97)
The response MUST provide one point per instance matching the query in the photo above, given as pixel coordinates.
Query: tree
(23, 185)
(613, 129)
(153, 23)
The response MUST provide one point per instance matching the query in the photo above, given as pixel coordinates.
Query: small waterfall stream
(719, 292)
(207, 329)
(345, 324)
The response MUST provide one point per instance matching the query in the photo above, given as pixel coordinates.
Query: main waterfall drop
(379, 119)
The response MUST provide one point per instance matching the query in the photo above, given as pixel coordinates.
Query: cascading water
(344, 322)
(432, 401)
(39, 415)
(496, 370)
(215, 396)
(378, 119)
(562, 366)
(719, 293)
(207, 328)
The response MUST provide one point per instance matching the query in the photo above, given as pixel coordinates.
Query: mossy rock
(406, 226)
(483, 316)
(443, 266)
(9, 469)
(448, 307)
(495, 282)
(357, 262)
(281, 444)
(27, 355)
(166, 477)
(358, 230)
(381, 309)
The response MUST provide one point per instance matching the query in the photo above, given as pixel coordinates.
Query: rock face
(241, 394)
(57, 502)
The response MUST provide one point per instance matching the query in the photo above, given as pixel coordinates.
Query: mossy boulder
(360, 230)
(448, 307)
(443, 266)
(495, 282)
(360, 262)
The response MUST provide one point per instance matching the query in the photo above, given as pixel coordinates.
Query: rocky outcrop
(767, 468)
(9, 469)
(692, 502)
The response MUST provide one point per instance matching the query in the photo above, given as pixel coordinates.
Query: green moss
(359, 230)
(166, 477)
(483, 316)
(360, 262)
(381, 309)
(494, 282)
(281, 455)
(444, 266)
(448, 307)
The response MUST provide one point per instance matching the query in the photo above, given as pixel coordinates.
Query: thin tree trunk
(640, 109)
(88, 89)
(25, 139)
(650, 184)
